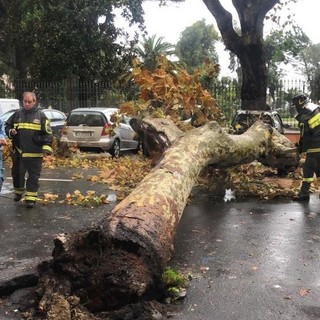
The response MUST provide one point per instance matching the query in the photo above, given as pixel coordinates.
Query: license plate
(83, 134)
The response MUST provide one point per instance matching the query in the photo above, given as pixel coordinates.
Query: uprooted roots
(90, 277)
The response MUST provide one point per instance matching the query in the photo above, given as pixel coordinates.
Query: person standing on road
(2, 143)
(31, 135)
(309, 123)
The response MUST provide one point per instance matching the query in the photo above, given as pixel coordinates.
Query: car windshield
(7, 115)
(88, 119)
(243, 120)
(54, 115)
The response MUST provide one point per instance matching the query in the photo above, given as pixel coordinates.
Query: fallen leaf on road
(304, 291)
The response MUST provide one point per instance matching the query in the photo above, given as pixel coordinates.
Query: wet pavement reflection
(250, 259)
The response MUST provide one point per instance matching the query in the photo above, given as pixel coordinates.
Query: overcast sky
(171, 20)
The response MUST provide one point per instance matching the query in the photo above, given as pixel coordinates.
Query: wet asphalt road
(251, 260)
(28, 233)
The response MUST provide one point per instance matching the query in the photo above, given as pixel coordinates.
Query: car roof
(12, 111)
(49, 109)
(256, 112)
(44, 109)
(97, 109)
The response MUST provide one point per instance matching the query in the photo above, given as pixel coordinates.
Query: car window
(93, 120)
(89, 119)
(277, 118)
(266, 118)
(277, 122)
(242, 122)
(125, 120)
(7, 115)
(48, 114)
(243, 119)
(57, 116)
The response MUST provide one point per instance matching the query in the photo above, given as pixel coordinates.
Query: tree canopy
(53, 40)
(283, 48)
(56, 40)
(196, 44)
(150, 48)
(311, 67)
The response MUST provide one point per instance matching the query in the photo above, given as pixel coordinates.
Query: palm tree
(150, 48)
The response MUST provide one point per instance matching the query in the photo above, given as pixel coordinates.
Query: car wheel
(115, 149)
(139, 147)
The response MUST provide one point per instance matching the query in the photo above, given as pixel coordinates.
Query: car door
(127, 134)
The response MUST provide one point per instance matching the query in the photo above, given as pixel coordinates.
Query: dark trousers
(21, 167)
(310, 167)
(1, 169)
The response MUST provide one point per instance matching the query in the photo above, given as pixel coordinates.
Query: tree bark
(247, 46)
(121, 260)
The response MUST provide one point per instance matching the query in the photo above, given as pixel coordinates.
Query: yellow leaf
(304, 291)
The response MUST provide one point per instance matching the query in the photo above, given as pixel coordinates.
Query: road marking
(47, 179)
(62, 180)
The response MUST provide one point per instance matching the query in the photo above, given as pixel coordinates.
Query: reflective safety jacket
(309, 123)
(34, 137)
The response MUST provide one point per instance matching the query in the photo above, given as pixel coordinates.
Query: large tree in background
(283, 48)
(53, 40)
(248, 46)
(311, 68)
(196, 44)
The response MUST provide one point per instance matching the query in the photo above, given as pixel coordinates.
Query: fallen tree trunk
(122, 259)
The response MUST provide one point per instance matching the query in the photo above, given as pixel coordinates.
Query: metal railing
(70, 94)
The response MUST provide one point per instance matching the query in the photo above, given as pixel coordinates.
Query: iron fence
(67, 95)
(70, 94)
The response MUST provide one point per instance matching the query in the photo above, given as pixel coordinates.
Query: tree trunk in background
(121, 260)
(247, 46)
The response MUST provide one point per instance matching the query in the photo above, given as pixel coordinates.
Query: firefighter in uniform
(31, 135)
(309, 122)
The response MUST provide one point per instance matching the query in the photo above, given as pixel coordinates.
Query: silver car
(88, 128)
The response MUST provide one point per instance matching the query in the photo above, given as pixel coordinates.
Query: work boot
(301, 197)
(30, 204)
(303, 194)
(17, 197)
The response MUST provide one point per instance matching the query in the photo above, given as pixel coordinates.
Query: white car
(88, 128)
(56, 117)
